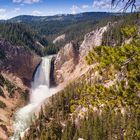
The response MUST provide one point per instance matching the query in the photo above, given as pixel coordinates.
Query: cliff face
(91, 40)
(13, 94)
(17, 65)
(70, 63)
(65, 62)
(18, 61)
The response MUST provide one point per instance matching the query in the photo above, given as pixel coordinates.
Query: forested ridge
(21, 35)
(103, 104)
(27, 30)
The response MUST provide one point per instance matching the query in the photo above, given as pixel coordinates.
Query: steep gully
(63, 74)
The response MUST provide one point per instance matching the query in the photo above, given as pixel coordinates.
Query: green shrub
(2, 105)
(2, 93)
(10, 87)
(2, 54)
(129, 31)
(2, 80)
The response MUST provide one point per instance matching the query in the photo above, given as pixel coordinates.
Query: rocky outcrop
(65, 62)
(70, 62)
(18, 60)
(59, 39)
(91, 40)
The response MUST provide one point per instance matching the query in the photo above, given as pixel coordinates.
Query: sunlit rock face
(70, 61)
(91, 40)
(18, 60)
(65, 62)
(59, 39)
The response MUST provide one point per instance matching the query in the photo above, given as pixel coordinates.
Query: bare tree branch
(128, 3)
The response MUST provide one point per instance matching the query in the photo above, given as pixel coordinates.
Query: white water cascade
(40, 90)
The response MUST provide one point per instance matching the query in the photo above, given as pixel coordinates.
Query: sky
(12, 8)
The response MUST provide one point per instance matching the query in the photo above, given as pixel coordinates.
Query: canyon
(78, 81)
(19, 65)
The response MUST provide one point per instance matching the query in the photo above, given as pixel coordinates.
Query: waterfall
(40, 90)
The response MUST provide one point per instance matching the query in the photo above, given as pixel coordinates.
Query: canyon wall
(17, 65)
(70, 61)
(18, 60)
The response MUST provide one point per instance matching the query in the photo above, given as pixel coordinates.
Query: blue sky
(11, 8)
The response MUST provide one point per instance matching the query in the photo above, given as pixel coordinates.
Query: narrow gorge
(70, 62)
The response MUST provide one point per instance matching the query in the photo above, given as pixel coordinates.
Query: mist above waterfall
(40, 90)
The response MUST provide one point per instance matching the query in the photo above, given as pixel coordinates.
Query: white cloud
(100, 4)
(75, 9)
(16, 9)
(37, 13)
(26, 1)
(2, 10)
(17, 1)
(85, 6)
(2, 13)
(3, 16)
